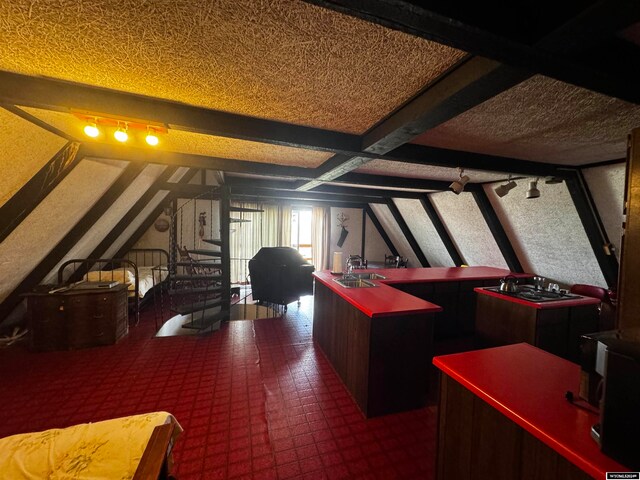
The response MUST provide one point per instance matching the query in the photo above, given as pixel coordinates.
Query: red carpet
(257, 400)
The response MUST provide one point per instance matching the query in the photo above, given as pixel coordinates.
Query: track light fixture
(533, 191)
(123, 130)
(457, 186)
(553, 180)
(151, 138)
(91, 130)
(502, 190)
(121, 133)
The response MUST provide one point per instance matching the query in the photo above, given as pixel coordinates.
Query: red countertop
(527, 385)
(378, 301)
(385, 300)
(577, 302)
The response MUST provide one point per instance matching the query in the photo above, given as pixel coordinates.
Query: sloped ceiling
(26, 148)
(542, 120)
(282, 60)
(415, 170)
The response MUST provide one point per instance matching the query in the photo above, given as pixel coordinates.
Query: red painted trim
(578, 302)
(527, 385)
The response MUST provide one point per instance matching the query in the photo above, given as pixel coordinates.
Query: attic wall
(395, 234)
(26, 148)
(110, 218)
(606, 184)
(424, 232)
(32, 240)
(468, 229)
(547, 234)
(374, 246)
(353, 243)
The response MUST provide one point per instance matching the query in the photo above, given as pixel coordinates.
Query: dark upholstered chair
(607, 303)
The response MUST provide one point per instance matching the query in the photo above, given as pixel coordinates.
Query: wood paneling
(384, 361)
(477, 442)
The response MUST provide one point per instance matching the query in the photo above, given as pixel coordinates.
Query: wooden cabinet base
(477, 442)
(384, 361)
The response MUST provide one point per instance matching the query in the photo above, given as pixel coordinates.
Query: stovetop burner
(526, 292)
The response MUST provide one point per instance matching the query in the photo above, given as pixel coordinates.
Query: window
(301, 231)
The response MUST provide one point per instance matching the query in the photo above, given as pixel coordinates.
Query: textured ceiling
(414, 170)
(194, 143)
(26, 148)
(542, 120)
(357, 185)
(278, 59)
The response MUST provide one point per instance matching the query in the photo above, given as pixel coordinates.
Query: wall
(375, 247)
(606, 184)
(468, 229)
(353, 243)
(424, 232)
(32, 240)
(392, 228)
(547, 234)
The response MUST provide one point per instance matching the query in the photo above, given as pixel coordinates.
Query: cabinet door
(46, 317)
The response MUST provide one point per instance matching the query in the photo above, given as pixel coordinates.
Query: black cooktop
(529, 293)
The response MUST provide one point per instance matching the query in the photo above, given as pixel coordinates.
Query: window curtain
(271, 228)
(320, 232)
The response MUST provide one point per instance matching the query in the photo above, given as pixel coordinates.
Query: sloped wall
(606, 184)
(26, 148)
(110, 218)
(53, 218)
(395, 234)
(424, 232)
(547, 234)
(374, 246)
(468, 229)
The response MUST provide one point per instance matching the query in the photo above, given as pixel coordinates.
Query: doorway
(301, 220)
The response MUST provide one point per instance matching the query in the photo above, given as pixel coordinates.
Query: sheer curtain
(320, 231)
(271, 228)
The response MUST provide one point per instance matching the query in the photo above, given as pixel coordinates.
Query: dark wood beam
(132, 213)
(593, 226)
(406, 231)
(364, 232)
(424, 155)
(25, 200)
(71, 238)
(409, 18)
(298, 195)
(499, 235)
(446, 239)
(258, 182)
(133, 154)
(225, 249)
(59, 95)
(381, 230)
(472, 82)
(371, 192)
(396, 182)
(285, 201)
(36, 121)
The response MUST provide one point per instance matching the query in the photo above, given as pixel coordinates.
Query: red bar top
(528, 385)
(380, 301)
(578, 302)
(442, 274)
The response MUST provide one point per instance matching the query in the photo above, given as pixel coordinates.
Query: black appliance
(610, 378)
(280, 275)
(528, 292)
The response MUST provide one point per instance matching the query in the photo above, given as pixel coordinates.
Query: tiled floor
(257, 400)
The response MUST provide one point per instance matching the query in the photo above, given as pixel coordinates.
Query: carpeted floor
(257, 400)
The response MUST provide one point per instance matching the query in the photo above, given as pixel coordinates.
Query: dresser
(77, 318)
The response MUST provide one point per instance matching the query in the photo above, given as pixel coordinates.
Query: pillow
(119, 275)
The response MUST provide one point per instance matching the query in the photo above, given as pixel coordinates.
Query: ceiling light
(91, 130)
(553, 180)
(502, 190)
(121, 134)
(151, 137)
(457, 186)
(533, 191)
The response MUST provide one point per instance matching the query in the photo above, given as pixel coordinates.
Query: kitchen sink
(361, 276)
(354, 283)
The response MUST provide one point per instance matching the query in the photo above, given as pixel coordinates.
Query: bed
(144, 269)
(133, 447)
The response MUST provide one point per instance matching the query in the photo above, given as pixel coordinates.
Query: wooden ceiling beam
(412, 19)
(381, 230)
(59, 95)
(408, 235)
(297, 195)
